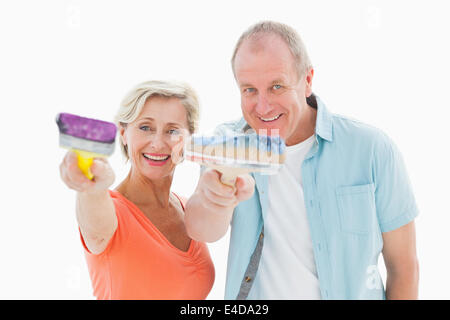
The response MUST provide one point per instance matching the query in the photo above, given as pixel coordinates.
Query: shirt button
(261, 235)
(248, 279)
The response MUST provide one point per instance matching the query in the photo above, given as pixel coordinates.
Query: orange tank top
(140, 263)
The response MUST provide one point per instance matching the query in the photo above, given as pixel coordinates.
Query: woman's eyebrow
(146, 118)
(166, 124)
(173, 124)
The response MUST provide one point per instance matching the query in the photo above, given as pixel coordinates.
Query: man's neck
(306, 127)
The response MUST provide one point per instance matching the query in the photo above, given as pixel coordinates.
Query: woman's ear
(122, 130)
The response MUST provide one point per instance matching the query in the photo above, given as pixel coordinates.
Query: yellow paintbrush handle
(85, 160)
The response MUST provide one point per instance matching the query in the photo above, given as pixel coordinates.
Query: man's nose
(263, 106)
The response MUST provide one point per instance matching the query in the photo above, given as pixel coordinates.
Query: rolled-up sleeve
(394, 197)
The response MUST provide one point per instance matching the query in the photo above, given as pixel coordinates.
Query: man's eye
(174, 131)
(249, 90)
(276, 86)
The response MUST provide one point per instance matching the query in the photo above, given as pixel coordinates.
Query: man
(315, 229)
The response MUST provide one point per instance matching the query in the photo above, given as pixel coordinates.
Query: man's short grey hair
(287, 33)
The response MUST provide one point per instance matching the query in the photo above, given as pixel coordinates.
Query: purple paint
(86, 128)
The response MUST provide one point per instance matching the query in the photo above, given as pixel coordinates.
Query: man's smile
(271, 119)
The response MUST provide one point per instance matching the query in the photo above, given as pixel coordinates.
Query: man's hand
(218, 196)
(210, 208)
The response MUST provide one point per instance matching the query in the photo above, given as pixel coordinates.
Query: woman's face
(154, 139)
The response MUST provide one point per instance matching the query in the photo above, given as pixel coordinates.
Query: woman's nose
(157, 142)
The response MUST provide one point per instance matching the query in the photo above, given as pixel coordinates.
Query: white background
(382, 62)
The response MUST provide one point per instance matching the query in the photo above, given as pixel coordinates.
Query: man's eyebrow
(278, 80)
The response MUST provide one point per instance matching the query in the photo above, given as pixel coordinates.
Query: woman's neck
(145, 192)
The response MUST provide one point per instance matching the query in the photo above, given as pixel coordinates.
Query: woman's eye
(144, 128)
(249, 90)
(277, 86)
(174, 131)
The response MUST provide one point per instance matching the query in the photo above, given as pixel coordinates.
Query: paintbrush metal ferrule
(98, 148)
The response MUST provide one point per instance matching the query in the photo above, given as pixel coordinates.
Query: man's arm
(209, 210)
(402, 266)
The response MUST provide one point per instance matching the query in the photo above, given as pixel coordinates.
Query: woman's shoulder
(114, 194)
(118, 198)
(122, 205)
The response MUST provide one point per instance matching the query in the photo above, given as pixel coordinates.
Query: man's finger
(212, 182)
(218, 200)
(245, 186)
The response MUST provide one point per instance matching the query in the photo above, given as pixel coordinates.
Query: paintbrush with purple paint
(88, 138)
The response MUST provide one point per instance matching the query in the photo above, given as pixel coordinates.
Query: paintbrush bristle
(86, 128)
(236, 151)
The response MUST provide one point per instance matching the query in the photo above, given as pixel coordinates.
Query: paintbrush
(88, 138)
(237, 154)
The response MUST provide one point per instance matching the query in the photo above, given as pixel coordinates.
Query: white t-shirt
(287, 269)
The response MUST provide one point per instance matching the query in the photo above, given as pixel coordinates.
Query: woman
(134, 237)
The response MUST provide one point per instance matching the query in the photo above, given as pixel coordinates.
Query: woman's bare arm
(95, 210)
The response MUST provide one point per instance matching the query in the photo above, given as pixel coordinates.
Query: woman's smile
(156, 159)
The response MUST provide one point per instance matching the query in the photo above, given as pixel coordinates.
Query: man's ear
(308, 80)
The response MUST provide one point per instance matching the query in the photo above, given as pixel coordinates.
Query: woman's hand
(95, 209)
(76, 180)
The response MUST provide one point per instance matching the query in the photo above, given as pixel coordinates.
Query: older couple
(314, 230)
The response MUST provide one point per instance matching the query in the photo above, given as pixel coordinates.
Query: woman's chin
(157, 172)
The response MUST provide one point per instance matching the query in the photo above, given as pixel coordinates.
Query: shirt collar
(324, 122)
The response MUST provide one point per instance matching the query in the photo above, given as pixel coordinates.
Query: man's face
(272, 96)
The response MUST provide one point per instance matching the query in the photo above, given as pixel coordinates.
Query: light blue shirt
(355, 188)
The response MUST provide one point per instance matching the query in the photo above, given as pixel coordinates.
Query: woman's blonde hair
(133, 102)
